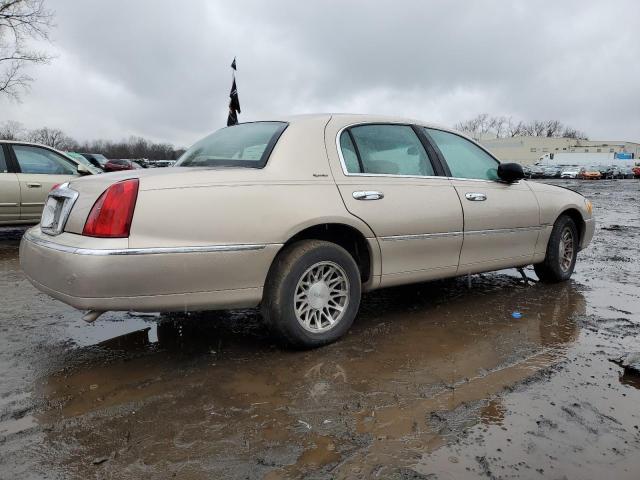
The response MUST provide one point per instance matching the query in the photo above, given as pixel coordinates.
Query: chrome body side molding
(141, 251)
(423, 236)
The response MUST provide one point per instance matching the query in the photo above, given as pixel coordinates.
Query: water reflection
(630, 379)
(420, 363)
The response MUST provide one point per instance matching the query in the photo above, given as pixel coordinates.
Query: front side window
(465, 159)
(385, 149)
(243, 145)
(42, 161)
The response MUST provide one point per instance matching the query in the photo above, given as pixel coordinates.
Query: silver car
(300, 215)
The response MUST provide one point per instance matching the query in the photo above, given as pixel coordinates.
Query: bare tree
(21, 21)
(12, 130)
(52, 137)
(469, 127)
(514, 129)
(553, 128)
(501, 127)
(476, 126)
(568, 132)
(498, 126)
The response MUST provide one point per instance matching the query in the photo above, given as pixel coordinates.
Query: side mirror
(83, 170)
(510, 172)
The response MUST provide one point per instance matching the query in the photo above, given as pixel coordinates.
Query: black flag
(234, 102)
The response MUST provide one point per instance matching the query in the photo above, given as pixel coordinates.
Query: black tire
(556, 267)
(288, 269)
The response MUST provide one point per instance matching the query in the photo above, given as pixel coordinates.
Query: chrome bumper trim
(140, 251)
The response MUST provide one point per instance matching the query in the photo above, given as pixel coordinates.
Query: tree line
(485, 125)
(133, 147)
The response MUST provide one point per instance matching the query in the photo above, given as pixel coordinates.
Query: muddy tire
(312, 294)
(562, 250)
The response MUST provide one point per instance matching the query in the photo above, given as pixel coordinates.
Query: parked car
(96, 159)
(606, 171)
(27, 172)
(590, 173)
(626, 172)
(551, 172)
(536, 171)
(300, 215)
(613, 172)
(117, 165)
(82, 159)
(164, 163)
(570, 172)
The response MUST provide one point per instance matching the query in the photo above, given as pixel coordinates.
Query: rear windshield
(243, 145)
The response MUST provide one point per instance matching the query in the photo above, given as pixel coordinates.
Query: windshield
(80, 159)
(243, 145)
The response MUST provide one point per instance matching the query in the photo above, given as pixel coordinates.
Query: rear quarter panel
(267, 213)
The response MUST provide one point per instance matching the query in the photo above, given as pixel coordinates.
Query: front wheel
(312, 293)
(562, 251)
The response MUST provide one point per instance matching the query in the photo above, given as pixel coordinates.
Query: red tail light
(55, 186)
(111, 215)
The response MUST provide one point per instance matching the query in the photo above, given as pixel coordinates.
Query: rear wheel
(562, 251)
(312, 293)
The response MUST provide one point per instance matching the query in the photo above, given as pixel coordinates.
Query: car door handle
(368, 195)
(33, 185)
(475, 197)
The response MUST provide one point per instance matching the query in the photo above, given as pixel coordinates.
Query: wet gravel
(436, 380)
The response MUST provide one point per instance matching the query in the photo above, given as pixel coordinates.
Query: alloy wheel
(566, 249)
(321, 297)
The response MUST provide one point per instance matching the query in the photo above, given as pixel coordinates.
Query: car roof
(22, 142)
(352, 118)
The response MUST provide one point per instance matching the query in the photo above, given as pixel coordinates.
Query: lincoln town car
(300, 215)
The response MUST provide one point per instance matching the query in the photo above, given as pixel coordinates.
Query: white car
(570, 172)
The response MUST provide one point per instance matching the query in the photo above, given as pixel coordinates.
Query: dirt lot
(436, 380)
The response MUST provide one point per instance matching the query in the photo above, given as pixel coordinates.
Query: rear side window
(40, 160)
(465, 159)
(387, 150)
(243, 145)
(3, 163)
(349, 153)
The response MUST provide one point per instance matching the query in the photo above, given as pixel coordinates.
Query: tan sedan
(27, 172)
(300, 215)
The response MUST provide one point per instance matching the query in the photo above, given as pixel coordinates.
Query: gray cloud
(161, 69)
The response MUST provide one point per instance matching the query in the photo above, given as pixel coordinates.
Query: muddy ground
(436, 380)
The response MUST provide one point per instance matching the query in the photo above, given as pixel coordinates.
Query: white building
(527, 150)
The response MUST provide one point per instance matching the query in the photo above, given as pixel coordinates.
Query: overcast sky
(160, 68)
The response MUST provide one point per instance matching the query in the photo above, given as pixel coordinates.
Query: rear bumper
(79, 272)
